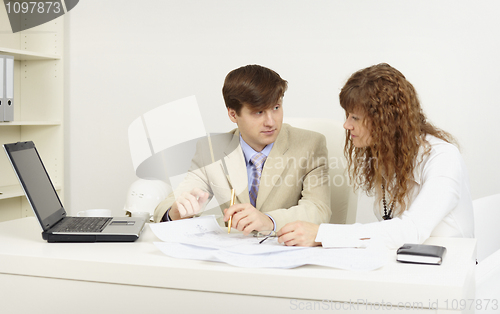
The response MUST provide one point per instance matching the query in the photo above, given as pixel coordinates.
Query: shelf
(28, 55)
(39, 106)
(30, 123)
(11, 191)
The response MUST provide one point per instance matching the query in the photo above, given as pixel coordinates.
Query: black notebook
(421, 254)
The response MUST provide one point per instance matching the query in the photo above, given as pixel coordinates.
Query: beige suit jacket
(294, 183)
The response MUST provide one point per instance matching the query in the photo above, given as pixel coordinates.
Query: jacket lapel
(274, 166)
(236, 168)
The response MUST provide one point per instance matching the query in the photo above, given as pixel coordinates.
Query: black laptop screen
(37, 185)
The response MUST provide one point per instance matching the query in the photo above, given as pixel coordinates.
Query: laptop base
(54, 238)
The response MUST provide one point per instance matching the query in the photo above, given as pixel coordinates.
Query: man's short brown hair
(253, 85)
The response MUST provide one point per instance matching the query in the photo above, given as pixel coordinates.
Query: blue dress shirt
(248, 153)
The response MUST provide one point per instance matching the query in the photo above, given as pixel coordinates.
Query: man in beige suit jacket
(294, 182)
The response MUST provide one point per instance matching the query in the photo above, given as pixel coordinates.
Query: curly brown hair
(398, 128)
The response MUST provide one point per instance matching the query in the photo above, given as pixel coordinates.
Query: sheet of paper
(176, 231)
(203, 239)
(349, 259)
(205, 232)
(187, 251)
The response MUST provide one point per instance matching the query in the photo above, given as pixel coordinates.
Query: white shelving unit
(38, 106)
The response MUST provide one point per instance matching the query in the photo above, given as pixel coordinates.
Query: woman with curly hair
(413, 169)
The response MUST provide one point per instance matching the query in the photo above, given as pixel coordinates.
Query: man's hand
(299, 233)
(247, 218)
(188, 204)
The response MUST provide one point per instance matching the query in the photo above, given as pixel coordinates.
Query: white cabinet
(38, 106)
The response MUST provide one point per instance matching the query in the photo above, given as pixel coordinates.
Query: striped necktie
(258, 163)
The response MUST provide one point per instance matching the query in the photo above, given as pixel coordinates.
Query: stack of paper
(202, 239)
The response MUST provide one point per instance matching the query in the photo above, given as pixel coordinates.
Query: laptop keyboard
(82, 224)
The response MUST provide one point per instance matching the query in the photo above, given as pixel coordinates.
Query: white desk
(41, 277)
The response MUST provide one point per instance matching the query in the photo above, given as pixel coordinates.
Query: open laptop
(45, 202)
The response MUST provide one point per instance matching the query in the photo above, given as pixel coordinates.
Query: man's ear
(232, 115)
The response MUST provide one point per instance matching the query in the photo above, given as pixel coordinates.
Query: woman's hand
(299, 233)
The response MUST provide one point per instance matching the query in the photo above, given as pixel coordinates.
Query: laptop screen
(36, 183)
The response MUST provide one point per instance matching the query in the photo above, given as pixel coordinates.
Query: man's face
(259, 128)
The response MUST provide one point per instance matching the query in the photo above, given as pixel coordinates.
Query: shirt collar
(249, 152)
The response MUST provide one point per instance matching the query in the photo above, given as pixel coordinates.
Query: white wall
(125, 57)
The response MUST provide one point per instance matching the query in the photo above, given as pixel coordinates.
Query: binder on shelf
(2, 86)
(8, 106)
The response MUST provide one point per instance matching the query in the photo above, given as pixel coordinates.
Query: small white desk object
(36, 276)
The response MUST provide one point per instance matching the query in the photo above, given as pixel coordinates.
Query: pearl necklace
(386, 216)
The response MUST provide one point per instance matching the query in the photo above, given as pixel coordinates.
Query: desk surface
(23, 252)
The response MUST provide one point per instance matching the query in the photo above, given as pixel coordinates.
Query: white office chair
(488, 284)
(343, 198)
(486, 219)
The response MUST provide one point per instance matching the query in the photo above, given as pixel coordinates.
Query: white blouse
(440, 206)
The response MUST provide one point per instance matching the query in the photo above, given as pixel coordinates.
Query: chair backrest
(488, 282)
(343, 198)
(486, 220)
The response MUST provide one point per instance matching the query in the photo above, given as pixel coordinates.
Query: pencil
(231, 203)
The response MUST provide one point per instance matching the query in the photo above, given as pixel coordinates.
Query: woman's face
(360, 135)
